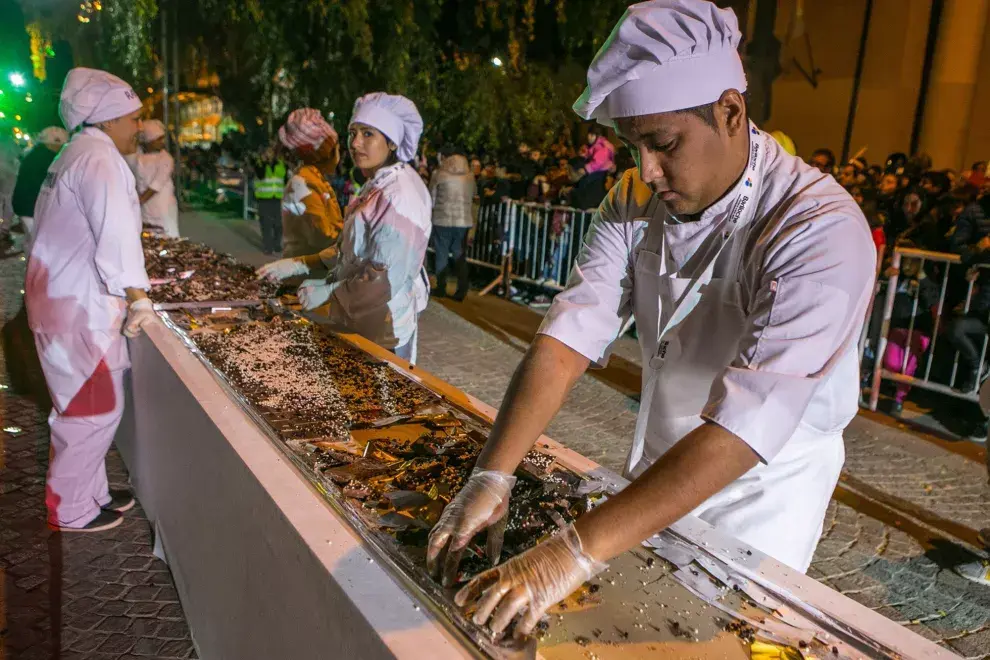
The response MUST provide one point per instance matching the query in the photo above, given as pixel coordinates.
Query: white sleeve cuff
(117, 285)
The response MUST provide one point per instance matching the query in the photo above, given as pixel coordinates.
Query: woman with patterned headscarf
(311, 218)
(377, 285)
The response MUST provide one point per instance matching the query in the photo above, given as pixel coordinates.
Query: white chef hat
(151, 130)
(662, 56)
(395, 116)
(53, 136)
(90, 96)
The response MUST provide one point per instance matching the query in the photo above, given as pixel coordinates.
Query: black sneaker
(120, 501)
(966, 381)
(978, 432)
(106, 520)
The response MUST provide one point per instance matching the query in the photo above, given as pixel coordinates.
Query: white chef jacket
(87, 246)
(805, 281)
(154, 171)
(378, 283)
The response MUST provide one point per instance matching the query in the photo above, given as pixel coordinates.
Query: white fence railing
(951, 276)
(250, 206)
(528, 242)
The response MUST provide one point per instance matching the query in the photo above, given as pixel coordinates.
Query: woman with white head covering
(748, 274)
(377, 285)
(153, 169)
(85, 291)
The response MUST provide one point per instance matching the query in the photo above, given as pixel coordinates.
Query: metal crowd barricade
(528, 242)
(250, 207)
(951, 265)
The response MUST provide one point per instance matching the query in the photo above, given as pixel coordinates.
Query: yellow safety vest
(272, 185)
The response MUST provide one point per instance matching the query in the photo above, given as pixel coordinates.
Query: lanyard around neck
(741, 212)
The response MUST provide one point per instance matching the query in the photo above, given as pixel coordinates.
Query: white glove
(481, 504)
(313, 293)
(282, 269)
(139, 313)
(528, 584)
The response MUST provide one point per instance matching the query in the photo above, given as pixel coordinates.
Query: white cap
(151, 130)
(663, 56)
(90, 96)
(53, 136)
(395, 116)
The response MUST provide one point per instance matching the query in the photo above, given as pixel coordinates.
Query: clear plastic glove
(282, 269)
(313, 293)
(139, 313)
(529, 584)
(482, 503)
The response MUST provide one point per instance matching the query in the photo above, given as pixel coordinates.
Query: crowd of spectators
(559, 174)
(910, 205)
(906, 202)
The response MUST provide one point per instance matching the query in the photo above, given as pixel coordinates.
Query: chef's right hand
(140, 313)
(482, 503)
(282, 269)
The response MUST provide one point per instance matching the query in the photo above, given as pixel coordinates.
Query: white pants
(85, 376)
(408, 350)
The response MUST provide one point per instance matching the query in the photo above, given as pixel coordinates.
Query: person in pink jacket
(85, 290)
(601, 153)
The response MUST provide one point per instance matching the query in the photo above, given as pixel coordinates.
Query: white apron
(689, 332)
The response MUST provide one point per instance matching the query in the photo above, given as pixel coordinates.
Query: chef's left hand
(528, 584)
(313, 293)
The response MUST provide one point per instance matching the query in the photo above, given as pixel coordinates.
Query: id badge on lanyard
(741, 212)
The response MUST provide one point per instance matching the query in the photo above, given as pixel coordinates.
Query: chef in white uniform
(748, 274)
(86, 286)
(154, 169)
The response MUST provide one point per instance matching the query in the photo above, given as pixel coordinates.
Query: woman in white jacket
(377, 285)
(85, 290)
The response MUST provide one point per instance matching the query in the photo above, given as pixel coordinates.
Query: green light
(16, 79)
(2, 116)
